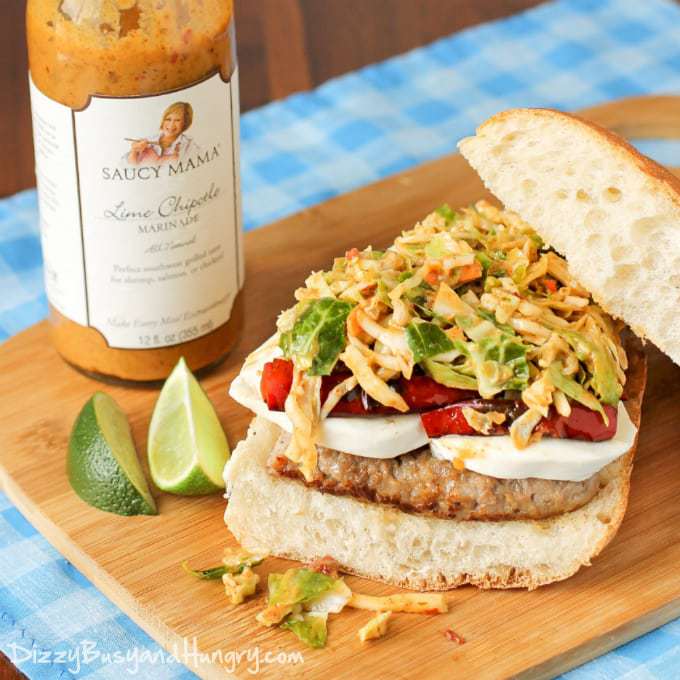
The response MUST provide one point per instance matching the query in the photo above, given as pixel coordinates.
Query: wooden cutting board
(632, 587)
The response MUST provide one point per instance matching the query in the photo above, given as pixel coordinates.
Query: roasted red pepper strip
(277, 378)
(443, 421)
(421, 393)
(582, 424)
(450, 419)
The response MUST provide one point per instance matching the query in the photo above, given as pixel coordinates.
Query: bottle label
(140, 211)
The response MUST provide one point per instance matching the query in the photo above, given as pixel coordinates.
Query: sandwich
(463, 406)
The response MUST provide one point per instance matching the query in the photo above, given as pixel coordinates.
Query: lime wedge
(187, 445)
(102, 462)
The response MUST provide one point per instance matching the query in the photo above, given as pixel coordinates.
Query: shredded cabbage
(472, 297)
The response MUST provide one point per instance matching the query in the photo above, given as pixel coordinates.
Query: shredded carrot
(550, 284)
(352, 253)
(470, 272)
(434, 271)
(454, 333)
(431, 277)
(353, 325)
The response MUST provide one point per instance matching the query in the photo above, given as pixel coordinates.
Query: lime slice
(102, 462)
(187, 445)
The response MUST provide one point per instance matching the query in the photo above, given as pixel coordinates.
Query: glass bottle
(135, 117)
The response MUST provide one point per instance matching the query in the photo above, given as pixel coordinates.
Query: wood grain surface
(281, 49)
(284, 46)
(632, 587)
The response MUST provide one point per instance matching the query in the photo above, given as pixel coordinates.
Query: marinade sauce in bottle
(135, 118)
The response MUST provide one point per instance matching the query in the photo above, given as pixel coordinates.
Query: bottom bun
(285, 518)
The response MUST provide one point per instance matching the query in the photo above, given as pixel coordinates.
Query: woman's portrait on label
(171, 143)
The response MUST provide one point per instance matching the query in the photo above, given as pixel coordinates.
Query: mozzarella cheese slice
(559, 459)
(391, 436)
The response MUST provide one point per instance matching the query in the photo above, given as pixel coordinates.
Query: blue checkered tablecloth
(300, 151)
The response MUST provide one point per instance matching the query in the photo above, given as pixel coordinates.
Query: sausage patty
(419, 483)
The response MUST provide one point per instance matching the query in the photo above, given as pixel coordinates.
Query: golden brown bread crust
(667, 181)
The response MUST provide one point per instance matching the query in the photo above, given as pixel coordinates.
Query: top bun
(612, 212)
